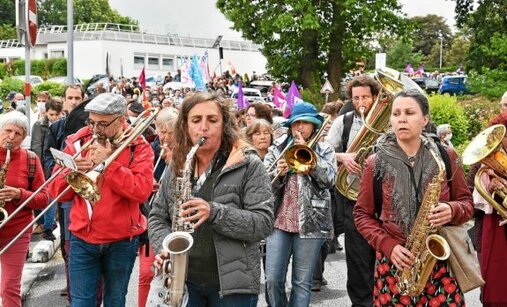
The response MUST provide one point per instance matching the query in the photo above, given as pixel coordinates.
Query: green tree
(456, 54)
(7, 31)
(401, 54)
(427, 31)
(7, 13)
(303, 38)
(54, 12)
(485, 24)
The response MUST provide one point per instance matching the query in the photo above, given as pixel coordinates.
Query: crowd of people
(251, 199)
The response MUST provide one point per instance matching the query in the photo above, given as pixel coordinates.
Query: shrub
(3, 70)
(40, 68)
(55, 89)
(490, 83)
(60, 67)
(479, 111)
(445, 109)
(18, 67)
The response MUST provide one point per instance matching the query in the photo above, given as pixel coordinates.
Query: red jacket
(17, 176)
(127, 182)
(383, 235)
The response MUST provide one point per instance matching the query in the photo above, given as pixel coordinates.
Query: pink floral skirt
(441, 289)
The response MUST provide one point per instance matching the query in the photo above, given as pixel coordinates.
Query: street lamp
(220, 51)
(441, 47)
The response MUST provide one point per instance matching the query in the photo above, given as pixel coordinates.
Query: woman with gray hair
(20, 174)
(162, 146)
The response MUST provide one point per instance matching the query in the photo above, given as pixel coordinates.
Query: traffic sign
(31, 22)
(327, 88)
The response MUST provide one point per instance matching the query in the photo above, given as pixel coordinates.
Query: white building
(129, 49)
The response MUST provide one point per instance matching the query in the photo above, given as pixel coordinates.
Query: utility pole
(70, 42)
(441, 48)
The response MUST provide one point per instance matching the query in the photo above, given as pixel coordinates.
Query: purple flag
(242, 101)
(420, 70)
(293, 96)
(409, 69)
(278, 97)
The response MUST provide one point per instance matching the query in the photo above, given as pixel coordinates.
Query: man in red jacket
(104, 238)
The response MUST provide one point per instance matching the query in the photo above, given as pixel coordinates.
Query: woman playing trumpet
(15, 189)
(302, 211)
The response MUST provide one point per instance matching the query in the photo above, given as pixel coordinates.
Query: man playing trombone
(104, 233)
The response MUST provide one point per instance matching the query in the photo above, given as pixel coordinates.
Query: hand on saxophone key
(159, 260)
(9, 193)
(440, 214)
(402, 258)
(196, 210)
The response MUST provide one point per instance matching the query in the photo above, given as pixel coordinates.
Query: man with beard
(105, 234)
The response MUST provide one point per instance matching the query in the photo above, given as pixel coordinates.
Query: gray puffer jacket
(241, 216)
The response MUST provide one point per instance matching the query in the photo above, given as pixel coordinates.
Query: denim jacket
(315, 220)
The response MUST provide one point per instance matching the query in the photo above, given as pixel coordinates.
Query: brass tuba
(486, 148)
(375, 123)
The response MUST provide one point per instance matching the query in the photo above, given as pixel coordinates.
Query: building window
(154, 63)
(138, 61)
(56, 54)
(167, 64)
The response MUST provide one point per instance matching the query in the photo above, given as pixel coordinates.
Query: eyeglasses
(100, 125)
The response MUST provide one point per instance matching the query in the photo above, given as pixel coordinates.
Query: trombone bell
(86, 185)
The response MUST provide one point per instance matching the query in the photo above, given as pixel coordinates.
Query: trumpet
(88, 185)
(300, 158)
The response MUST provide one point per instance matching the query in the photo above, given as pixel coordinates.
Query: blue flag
(196, 75)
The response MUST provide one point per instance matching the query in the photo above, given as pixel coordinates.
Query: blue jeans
(202, 296)
(49, 217)
(280, 246)
(87, 262)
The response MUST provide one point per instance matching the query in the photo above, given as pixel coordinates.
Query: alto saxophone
(3, 177)
(179, 241)
(423, 242)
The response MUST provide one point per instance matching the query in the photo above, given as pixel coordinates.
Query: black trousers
(360, 258)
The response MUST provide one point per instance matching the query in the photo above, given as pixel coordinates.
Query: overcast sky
(200, 18)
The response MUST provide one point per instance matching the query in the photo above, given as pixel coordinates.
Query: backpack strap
(377, 180)
(32, 167)
(348, 119)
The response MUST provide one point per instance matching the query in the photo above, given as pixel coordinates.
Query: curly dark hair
(363, 80)
(183, 142)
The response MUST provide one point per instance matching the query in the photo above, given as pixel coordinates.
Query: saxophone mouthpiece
(201, 140)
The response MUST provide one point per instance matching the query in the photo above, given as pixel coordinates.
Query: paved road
(45, 291)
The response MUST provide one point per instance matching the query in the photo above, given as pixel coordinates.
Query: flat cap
(107, 103)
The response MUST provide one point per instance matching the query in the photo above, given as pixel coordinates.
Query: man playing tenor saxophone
(230, 207)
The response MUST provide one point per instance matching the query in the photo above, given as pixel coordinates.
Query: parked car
(262, 85)
(427, 84)
(34, 80)
(63, 80)
(252, 94)
(454, 85)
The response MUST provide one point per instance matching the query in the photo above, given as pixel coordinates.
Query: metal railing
(128, 33)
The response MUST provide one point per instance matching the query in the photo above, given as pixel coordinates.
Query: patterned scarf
(408, 181)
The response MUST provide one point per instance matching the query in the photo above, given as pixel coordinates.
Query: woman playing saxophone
(15, 190)
(231, 206)
(408, 164)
